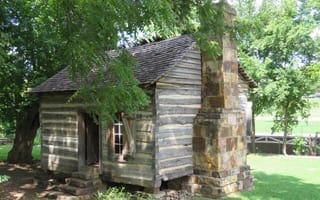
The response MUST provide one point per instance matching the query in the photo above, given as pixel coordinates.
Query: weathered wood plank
(61, 116)
(57, 158)
(144, 136)
(128, 168)
(59, 132)
(133, 180)
(53, 125)
(179, 91)
(179, 96)
(176, 119)
(180, 70)
(59, 120)
(175, 127)
(144, 126)
(175, 140)
(175, 162)
(59, 150)
(174, 132)
(144, 147)
(181, 80)
(176, 173)
(55, 97)
(180, 101)
(161, 85)
(178, 75)
(61, 110)
(65, 143)
(174, 151)
(177, 109)
(61, 165)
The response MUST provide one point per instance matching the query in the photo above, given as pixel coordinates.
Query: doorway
(88, 141)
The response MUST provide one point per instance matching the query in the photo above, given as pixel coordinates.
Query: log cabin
(192, 133)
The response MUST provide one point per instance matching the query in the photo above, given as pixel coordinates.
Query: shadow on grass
(276, 186)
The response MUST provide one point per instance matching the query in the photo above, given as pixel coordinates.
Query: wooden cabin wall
(58, 123)
(245, 105)
(178, 100)
(137, 169)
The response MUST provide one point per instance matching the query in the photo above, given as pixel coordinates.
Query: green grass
(303, 128)
(280, 177)
(4, 149)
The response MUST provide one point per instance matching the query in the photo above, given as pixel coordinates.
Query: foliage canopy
(277, 47)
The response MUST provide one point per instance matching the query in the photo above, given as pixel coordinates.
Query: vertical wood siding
(58, 123)
(178, 100)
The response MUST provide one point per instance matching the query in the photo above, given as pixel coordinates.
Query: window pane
(117, 149)
(116, 139)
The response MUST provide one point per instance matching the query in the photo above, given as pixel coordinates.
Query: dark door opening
(91, 141)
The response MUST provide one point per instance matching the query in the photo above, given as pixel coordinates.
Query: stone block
(213, 89)
(210, 191)
(226, 132)
(205, 161)
(231, 144)
(232, 119)
(199, 144)
(230, 188)
(204, 180)
(221, 145)
(229, 180)
(233, 160)
(216, 101)
(197, 130)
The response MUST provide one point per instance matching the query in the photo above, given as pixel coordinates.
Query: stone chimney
(219, 138)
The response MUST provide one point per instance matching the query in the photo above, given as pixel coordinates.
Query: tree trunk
(284, 145)
(26, 129)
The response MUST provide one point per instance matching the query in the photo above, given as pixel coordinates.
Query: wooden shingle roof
(155, 59)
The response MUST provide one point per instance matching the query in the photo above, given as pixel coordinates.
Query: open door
(88, 140)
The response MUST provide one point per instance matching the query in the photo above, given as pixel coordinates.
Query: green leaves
(277, 52)
(112, 88)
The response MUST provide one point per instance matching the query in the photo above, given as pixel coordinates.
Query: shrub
(114, 193)
(299, 145)
(37, 138)
(4, 178)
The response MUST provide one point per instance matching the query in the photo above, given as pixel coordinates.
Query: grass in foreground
(280, 177)
(4, 149)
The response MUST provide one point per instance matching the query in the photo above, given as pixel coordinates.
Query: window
(118, 134)
(121, 137)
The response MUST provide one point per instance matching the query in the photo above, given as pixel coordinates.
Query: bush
(4, 178)
(114, 193)
(299, 145)
(37, 138)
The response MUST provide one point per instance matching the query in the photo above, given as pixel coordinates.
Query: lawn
(280, 177)
(4, 149)
(303, 128)
(311, 125)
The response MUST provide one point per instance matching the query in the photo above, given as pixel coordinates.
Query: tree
(276, 47)
(41, 37)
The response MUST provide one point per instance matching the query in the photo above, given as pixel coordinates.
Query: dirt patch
(26, 182)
